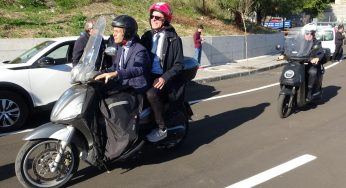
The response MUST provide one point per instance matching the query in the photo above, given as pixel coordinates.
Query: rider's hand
(106, 76)
(315, 60)
(281, 57)
(159, 83)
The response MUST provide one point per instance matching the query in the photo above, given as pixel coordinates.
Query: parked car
(326, 34)
(35, 79)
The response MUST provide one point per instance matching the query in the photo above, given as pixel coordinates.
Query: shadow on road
(329, 92)
(202, 132)
(7, 171)
(197, 91)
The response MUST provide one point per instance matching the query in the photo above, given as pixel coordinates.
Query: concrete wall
(228, 49)
(215, 50)
(11, 48)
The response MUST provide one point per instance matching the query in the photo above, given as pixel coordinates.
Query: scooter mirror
(111, 51)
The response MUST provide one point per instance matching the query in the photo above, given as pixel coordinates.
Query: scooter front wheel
(284, 109)
(34, 161)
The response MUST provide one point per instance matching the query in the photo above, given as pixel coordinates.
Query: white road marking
(200, 100)
(273, 172)
(233, 94)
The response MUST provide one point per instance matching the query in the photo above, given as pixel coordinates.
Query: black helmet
(128, 23)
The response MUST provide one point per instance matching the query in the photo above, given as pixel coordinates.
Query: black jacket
(339, 38)
(79, 46)
(172, 53)
(318, 52)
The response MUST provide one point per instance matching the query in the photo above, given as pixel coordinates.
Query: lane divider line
(233, 94)
(274, 172)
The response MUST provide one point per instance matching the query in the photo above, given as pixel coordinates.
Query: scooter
(293, 84)
(294, 77)
(52, 153)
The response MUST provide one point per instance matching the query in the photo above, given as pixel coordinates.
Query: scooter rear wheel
(284, 109)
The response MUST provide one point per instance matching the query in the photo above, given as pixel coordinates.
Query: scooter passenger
(167, 63)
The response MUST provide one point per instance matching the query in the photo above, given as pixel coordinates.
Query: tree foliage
(281, 8)
(239, 8)
(314, 7)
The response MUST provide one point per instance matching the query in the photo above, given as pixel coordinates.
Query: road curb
(238, 74)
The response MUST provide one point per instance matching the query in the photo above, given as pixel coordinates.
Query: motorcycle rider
(167, 63)
(316, 55)
(132, 63)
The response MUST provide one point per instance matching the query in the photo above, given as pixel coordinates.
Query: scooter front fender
(286, 91)
(52, 131)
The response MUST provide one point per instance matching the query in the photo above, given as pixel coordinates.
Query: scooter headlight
(69, 106)
(289, 74)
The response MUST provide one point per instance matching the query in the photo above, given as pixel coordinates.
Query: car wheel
(14, 111)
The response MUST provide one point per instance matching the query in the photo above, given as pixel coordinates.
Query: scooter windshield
(298, 46)
(84, 71)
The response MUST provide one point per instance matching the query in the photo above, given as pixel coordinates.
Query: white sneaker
(157, 135)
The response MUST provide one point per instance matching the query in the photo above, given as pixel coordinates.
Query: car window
(30, 53)
(328, 35)
(325, 35)
(60, 54)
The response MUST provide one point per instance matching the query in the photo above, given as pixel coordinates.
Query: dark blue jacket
(136, 69)
(79, 46)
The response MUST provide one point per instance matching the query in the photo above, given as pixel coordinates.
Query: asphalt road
(238, 136)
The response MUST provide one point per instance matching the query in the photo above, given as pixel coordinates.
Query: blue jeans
(197, 56)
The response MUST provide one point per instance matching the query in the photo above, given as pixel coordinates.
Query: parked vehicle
(326, 34)
(52, 152)
(34, 79)
(278, 23)
(294, 77)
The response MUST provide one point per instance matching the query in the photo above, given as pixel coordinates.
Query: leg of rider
(312, 80)
(155, 100)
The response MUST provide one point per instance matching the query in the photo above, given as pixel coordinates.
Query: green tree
(286, 8)
(314, 7)
(240, 9)
(281, 8)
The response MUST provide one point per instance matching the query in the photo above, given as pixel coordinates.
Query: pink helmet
(164, 8)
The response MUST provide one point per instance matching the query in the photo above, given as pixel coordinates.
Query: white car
(35, 79)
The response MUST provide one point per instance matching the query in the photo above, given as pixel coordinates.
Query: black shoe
(309, 96)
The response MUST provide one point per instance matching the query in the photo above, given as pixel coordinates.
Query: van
(326, 34)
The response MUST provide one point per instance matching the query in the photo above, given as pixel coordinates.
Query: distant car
(326, 34)
(35, 79)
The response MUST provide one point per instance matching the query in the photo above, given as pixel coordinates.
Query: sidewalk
(239, 68)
